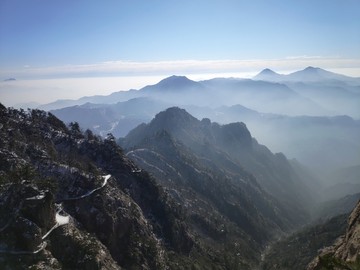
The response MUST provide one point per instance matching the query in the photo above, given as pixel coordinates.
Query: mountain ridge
(276, 96)
(308, 74)
(126, 221)
(232, 141)
(169, 83)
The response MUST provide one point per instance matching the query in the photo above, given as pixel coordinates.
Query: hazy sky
(78, 38)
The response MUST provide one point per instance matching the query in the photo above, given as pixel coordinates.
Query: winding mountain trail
(60, 220)
(106, 178)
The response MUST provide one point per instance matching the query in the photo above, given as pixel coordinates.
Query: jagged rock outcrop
(345, 253)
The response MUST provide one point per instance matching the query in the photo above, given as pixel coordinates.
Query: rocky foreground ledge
(345, 253)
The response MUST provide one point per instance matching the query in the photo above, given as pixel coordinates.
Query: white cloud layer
(182, 67)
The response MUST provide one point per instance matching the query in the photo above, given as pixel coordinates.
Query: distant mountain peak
(312, 69)
(175, 79)
(307, 74)
(267, 71)
(314, 74)
(173, 82)
(267, 74)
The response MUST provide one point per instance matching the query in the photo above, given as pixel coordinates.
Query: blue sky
(78, 38)
(40, 33)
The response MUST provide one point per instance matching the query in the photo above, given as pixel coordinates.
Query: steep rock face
(345, 253)
(223, 207)
(230, 147)
(125, 221)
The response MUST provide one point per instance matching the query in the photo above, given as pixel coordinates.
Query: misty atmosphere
(167, 135)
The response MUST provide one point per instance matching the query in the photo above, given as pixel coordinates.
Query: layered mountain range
(70, 200)
(214, 196)
(312, 91)
(324, 143)
(310, 115)
(171, 176)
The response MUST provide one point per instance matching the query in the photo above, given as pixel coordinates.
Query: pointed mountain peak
(174, 115)
(176, 78)
(175, 110)
(173, 120)
(267, 71)
(268, 75)
(312, 69)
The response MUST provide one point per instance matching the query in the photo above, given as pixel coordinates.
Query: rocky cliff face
(345, 253)
(70, 200)
(230, 210)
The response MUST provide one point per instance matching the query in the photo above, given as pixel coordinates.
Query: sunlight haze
(154, 39)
